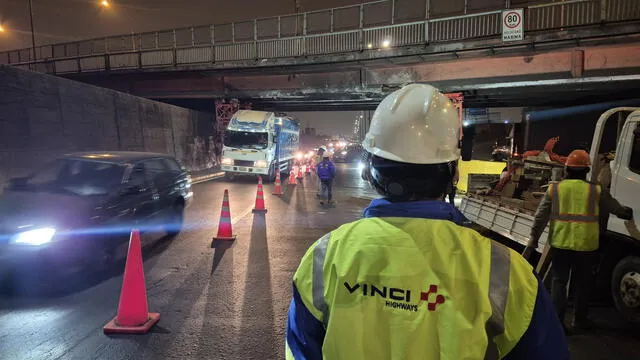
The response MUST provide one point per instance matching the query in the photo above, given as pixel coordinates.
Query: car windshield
(246, 140)
(78, 177)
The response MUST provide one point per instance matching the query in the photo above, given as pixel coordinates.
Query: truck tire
(271, 176)
(625, 288)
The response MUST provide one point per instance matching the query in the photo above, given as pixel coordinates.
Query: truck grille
(245, 163)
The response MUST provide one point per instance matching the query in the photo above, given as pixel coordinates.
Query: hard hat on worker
(416, 124)
(412, 144)
(578, 159)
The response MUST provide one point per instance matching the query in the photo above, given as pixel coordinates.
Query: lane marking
(206, 178)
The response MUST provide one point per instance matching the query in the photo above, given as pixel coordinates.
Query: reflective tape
(498, 295)
(317, 289)
(555, 199)
(592, 206)
(575, 218)
(593, 200)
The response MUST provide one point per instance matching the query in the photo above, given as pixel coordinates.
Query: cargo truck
(618, 269)
(257, 143)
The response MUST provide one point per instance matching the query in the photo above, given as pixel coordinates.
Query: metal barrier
(337, 30)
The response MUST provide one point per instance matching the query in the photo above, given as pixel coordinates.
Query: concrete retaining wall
(42, 117)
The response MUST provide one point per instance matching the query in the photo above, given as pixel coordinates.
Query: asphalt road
(227, 302)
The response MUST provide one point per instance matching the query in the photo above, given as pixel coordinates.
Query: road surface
(227, 302)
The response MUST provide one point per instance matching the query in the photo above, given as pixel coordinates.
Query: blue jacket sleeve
(305, 334)
(545, 338)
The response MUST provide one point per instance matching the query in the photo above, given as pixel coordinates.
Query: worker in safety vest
(409, 281)
(576, 209)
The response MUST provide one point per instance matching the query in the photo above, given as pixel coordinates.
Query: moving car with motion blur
(349, 154)
(80, 209)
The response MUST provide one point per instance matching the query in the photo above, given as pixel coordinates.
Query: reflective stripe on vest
(498, 291)
(575, 215)
(317, 290)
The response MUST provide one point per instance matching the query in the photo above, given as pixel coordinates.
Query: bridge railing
(374, 25)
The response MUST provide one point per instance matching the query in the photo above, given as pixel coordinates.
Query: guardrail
(337, 30)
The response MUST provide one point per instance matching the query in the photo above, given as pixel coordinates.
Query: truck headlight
(227, 161)
(34, 237)
(260, 164)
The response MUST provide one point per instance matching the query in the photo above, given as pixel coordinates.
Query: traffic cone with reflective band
(307, 169)
(278, 189)
(300, 176)
(225, 231)
(292, 176)
(260, 208)
(133, 313)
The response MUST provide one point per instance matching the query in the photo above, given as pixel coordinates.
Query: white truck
(258, 143)
(619, 261)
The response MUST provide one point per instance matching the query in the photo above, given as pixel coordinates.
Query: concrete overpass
(579, 51)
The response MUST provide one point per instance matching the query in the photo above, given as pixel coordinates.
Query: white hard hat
(416, 124)
(323, 148)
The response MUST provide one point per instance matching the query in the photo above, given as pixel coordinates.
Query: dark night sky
(58, 21)
(68, 20)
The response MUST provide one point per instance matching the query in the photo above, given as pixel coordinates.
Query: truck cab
(620, 249)
(259, 143)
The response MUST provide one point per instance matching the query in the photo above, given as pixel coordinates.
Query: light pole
(33, 34)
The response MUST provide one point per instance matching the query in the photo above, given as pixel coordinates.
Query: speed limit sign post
(512, 25)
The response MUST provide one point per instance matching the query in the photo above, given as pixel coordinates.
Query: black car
(81, 208)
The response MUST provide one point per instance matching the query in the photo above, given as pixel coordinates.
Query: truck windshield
(246, 140)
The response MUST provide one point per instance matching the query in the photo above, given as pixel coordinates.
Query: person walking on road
(411, 280)
(317, 160)
(326, 174)
(577, 210)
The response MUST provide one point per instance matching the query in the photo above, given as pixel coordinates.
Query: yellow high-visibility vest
(400, 288)
(575, 210)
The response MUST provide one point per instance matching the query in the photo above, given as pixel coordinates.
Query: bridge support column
(577, 63)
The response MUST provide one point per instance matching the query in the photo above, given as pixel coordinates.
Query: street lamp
(105, 3)
(1, 28)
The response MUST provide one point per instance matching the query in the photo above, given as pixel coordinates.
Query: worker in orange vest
(575, 208)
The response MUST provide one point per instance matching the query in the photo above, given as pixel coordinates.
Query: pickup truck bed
(506, 219)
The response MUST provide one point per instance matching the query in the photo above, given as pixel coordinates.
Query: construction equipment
(510, 211)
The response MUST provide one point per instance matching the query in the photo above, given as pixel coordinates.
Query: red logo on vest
(439, 299)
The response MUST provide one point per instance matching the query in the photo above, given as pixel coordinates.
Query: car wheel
(176, 220)
(625, 288)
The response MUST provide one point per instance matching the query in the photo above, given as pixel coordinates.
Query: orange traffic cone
(278, 189)
(225, 231)
(260, 208)
(307, 169)
(133, 313)
(300, 172)
(292, 176)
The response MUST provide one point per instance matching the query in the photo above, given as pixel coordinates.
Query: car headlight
(34, 237)
(344, 153)
(260, 164)
(227, 161)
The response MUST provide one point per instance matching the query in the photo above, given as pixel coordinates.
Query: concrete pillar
(577, 63)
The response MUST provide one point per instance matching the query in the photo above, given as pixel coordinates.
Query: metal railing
(338, 30)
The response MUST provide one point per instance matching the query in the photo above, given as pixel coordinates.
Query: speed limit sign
(512, 29)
